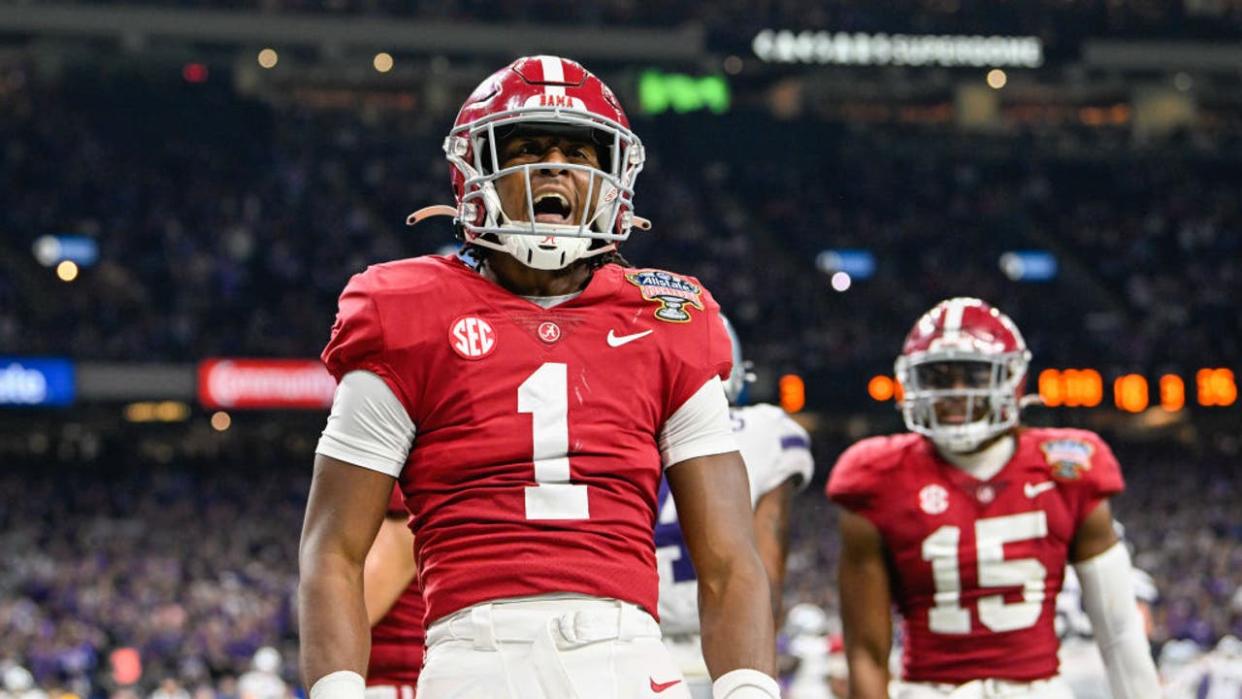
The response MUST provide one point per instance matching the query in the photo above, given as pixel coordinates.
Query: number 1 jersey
(977, 564)
(537, 455)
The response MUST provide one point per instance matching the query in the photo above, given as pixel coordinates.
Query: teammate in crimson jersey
(395, 607)
(527, 395)
(967, 524)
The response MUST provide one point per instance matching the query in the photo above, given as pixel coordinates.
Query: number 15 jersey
(977, 564)
(541, 433)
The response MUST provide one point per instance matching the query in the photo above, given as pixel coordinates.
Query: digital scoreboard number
(1132, 393)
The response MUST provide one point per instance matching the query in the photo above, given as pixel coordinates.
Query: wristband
(745, 683)
(342, 684)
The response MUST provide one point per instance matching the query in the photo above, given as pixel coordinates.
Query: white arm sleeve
(368, 426)
(1108, 598)
(700, 427)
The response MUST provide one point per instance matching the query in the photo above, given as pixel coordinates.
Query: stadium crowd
(227, 227)
(185, 550)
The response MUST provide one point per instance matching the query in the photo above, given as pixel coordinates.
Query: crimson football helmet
(542, 94)
(963, 371)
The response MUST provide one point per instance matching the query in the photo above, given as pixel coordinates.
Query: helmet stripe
(953, 317)
(553, 72)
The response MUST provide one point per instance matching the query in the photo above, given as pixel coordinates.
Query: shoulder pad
(863, 469)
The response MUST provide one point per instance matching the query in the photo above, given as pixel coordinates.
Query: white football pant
(549, 647)
(687, 652)
(1052, 688)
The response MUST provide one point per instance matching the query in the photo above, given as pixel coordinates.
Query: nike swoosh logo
(615, 340)
(659, 687)
(1034, 489)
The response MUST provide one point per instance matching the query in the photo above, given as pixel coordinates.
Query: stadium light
(220, 421)
(1029, 265)
(268, 58)
(50, 250)
(881, 388)
(857, 263)
(793, 393)
(841, 282)
(67, 271)
(194, 73)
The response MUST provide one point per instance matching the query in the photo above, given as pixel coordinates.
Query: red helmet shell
(537, 81)
(965, 325)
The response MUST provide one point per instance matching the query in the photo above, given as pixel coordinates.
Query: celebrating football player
(394, 607)
(969, 522)
(777, 454)
(528, 395)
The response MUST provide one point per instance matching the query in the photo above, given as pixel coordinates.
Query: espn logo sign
(265, 384)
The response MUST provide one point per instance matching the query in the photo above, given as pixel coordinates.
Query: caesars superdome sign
(842, 48)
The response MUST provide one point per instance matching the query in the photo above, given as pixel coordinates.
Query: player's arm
(866, 606)
(1103, 567)
(343, 514)
(362, 450)
(735, 612)
(772, 537)
(390, 567)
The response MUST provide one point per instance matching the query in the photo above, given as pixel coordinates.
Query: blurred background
(186, 185)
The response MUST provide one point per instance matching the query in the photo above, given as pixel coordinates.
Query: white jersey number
(545, 396)
(991, 534)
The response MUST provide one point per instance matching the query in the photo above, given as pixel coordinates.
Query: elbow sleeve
(1108, 598)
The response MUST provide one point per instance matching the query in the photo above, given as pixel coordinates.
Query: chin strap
(429, 212)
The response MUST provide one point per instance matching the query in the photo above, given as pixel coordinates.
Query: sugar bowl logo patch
(1069, 458)
(674, 294)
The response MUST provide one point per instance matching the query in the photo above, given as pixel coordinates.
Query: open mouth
(551, 207)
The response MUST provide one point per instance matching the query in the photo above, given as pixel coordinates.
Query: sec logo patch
(933, 499)
(472, 337)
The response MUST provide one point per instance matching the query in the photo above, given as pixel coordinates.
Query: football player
(777, 453)
(528, 395)
(967, 523)
(394, 607)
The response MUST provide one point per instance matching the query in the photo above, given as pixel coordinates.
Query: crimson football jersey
(397, 640)
(535, 464)
(978, 564)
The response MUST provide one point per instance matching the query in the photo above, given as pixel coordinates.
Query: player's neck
(516, 277)
(985, 462)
